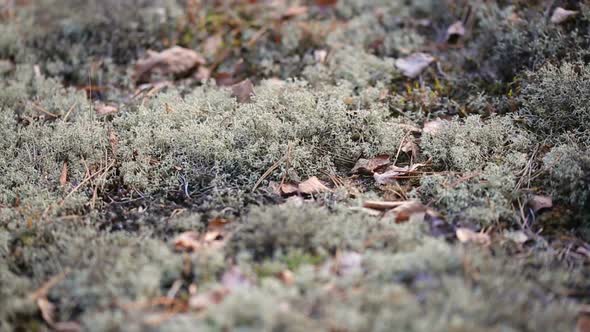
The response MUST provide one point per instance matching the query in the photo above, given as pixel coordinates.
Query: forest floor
(327, 165)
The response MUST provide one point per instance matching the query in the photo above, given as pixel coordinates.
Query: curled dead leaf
(518, 237)
(312, 186)
(465, 235)
(412, 65)
(202, 301)
(47, 310)
(392, 173)
(294, 11)
(188, 241)
(540, 202)
(243, 91)
(410, 147)
(583, 323)
(561, 15)
(455, 31)
(63, 177)
(368, 166)
(105, 109)
(320, 55)
(406, 211)
(286, 277)
(173, 61)
(288, 189)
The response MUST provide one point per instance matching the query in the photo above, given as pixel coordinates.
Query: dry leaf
(467, 235)
(320, 55)
(517, 236)
(312, 186)
(561, 15)
(288, 189)
(63, 177)
(202, 74)
(202, 301)
(455, 31)
(286, 277)
(410, 147)
(188, 241)
(326, 3)
(583, 323)
(113, 141)
(368, 166)
(294, 11)
(105, 109)
(539, 202)
(173, 61)
(243, 91)
(412, 65)
(407, 210)
(382, 205)
(47, 310)
(392, 173)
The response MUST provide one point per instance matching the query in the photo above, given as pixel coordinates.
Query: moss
(473, 144)
(554, 100)
(568, 168)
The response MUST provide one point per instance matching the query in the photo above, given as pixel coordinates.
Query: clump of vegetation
(473, 144)
(180, 204)
(555, 100)
(569, 173)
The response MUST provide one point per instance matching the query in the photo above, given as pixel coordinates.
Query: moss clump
(473, 144)
(556, 100)
(209, 142)
(278, 231)
(568, 167)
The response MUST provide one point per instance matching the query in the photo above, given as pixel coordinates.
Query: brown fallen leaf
(202, 301)
(288, 189)
(382, 205)
(561, 15)
(47, 310)
(368, 166)
(243, 91)
(465, 235)
(518, 237)
(410, 147)
(392, 173)
(583, 323)
(325, 3)
(286, 277)
(412, 65)
(540, 202)
(455, 31)
(113, 141)
(188, 241)
(173, 61)
(312, 186)
(63, 177)
(102, 109)
(406, 211)
(294, 11)
(320, 55)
